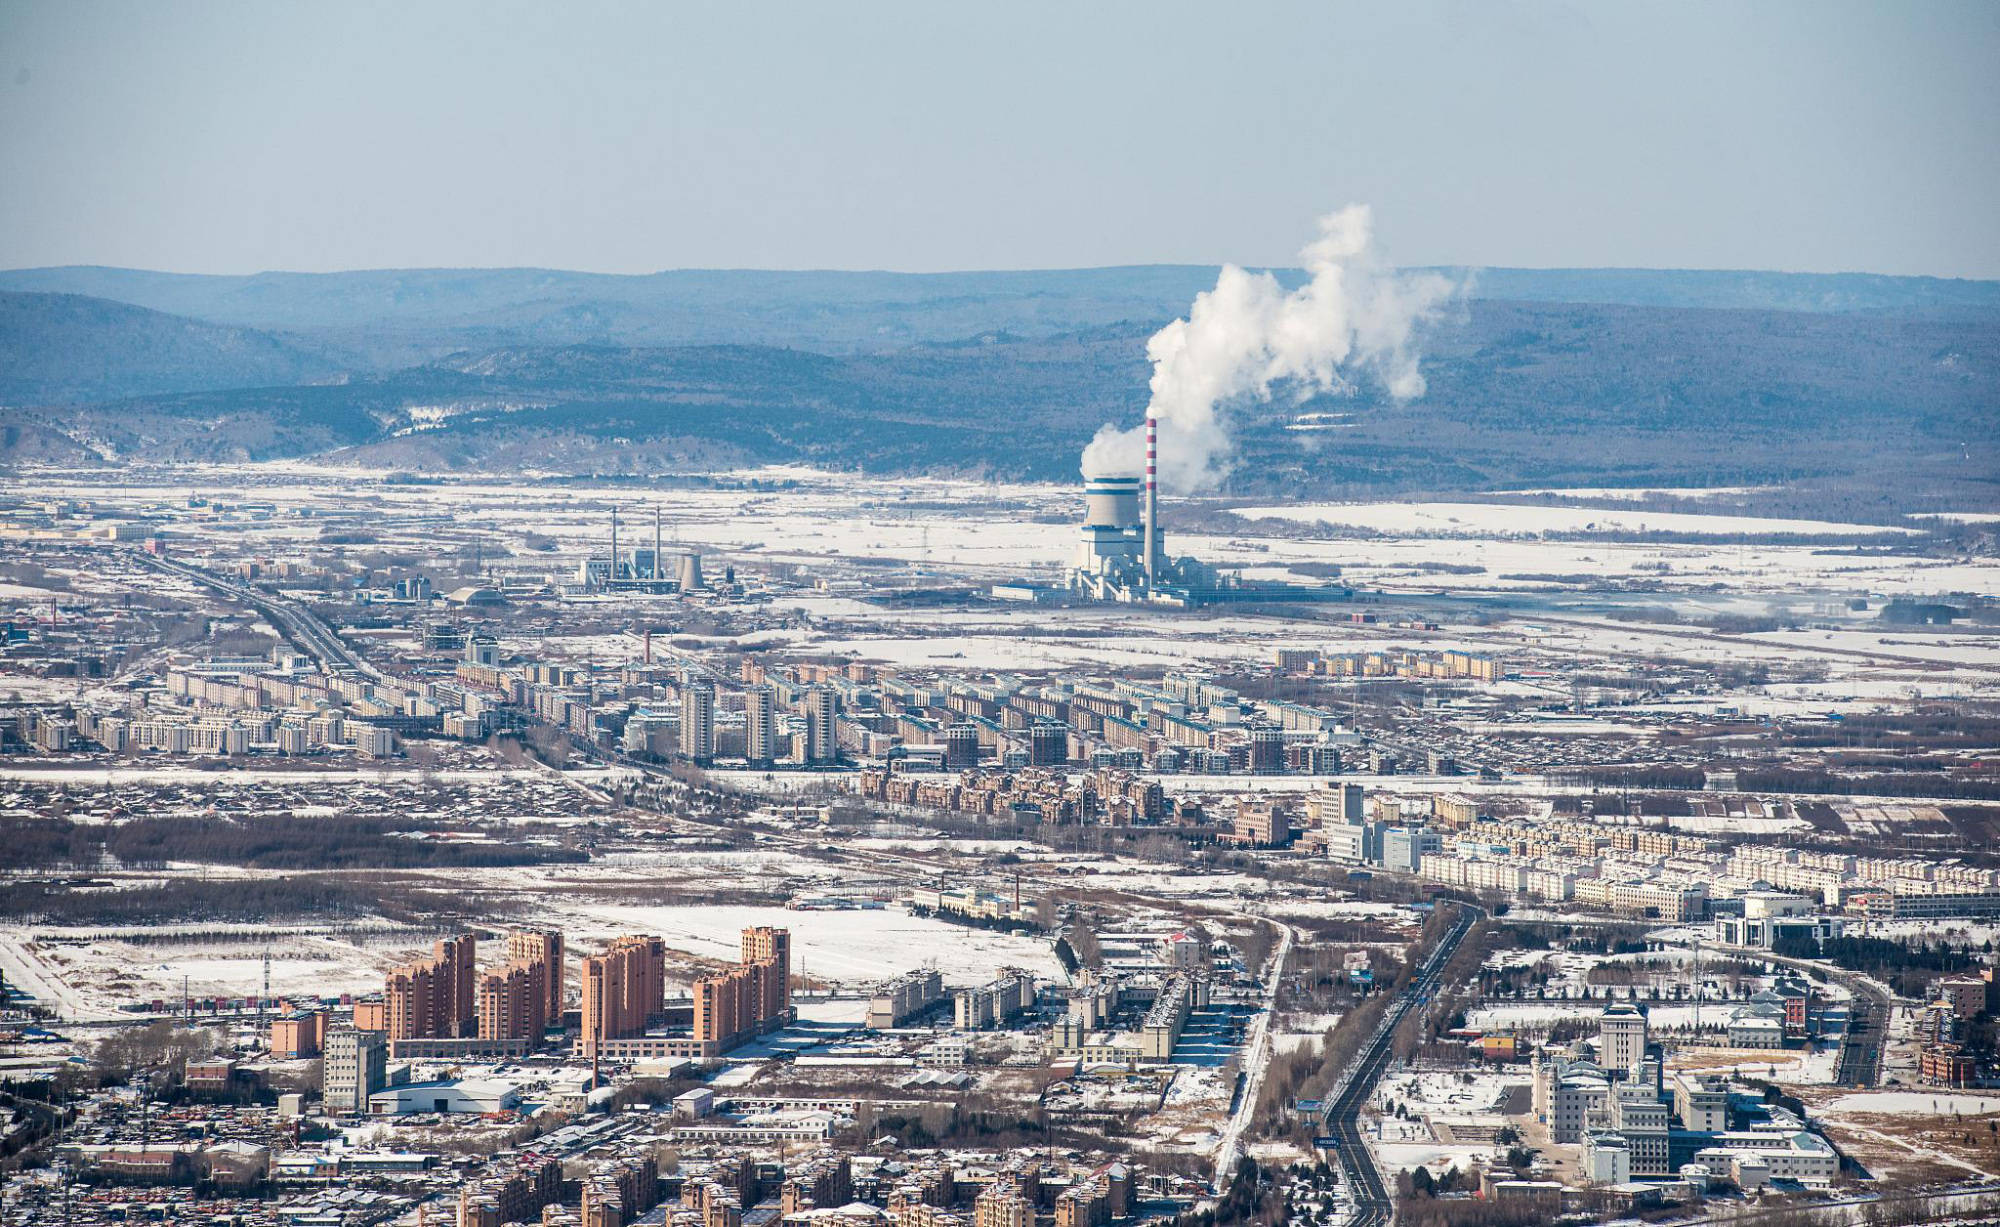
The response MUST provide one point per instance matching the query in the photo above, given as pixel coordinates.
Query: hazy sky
(216, 137)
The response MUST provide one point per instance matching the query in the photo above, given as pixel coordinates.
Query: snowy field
(1432, 1103)
(1507, 519)
(1911, 1103)
(85, 972)
(854, 948)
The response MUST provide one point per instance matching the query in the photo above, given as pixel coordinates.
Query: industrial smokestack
(655, 576)
(1152, 524)
(613, 574)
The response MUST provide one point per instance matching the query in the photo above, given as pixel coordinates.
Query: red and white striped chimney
(1152, 525)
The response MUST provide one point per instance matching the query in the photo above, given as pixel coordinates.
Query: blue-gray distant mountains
(58, 348)
(398, 312)
(1584, 377)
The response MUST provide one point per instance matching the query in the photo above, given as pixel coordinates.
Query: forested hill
(57, 348)
(1897, 407)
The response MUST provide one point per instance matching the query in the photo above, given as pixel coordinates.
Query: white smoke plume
(1249, 337)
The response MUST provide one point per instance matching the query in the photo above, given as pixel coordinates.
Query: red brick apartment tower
(546, 947)
(622, 988)
(769, 952)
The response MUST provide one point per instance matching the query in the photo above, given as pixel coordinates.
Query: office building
(1621, 1038)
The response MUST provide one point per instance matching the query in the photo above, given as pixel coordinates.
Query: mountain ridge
(57, 348)
(691, 305)
(1522, 394)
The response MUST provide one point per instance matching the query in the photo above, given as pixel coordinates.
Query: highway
(298, 625)
(1861, 1046)
(1868, 1012)
(1374, 1202)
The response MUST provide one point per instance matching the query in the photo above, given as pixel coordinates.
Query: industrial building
(1121, 552)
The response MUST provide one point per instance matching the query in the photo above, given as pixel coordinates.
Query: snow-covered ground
(1432, 1104)
(1912, 1103)
(854, 948)
(1509, 519)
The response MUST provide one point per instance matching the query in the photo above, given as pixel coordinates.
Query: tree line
(272, 842)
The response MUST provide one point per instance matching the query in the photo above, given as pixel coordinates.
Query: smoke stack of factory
(1152, 524)
(1241, 343)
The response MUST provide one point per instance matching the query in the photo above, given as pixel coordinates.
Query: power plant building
(1121, 550)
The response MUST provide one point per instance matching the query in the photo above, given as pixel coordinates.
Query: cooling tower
(1111, 502)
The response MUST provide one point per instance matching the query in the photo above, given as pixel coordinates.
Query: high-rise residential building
(434, 998)
(768, 953)
(1267, 750)
(409, 997)
(751, 997)
(698, 721)
(718, 1006)
(462, 956)
(546, 947)
(513, 1001)
(822, 745)
(622, 988)
(760, 726)
(356, 1066)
